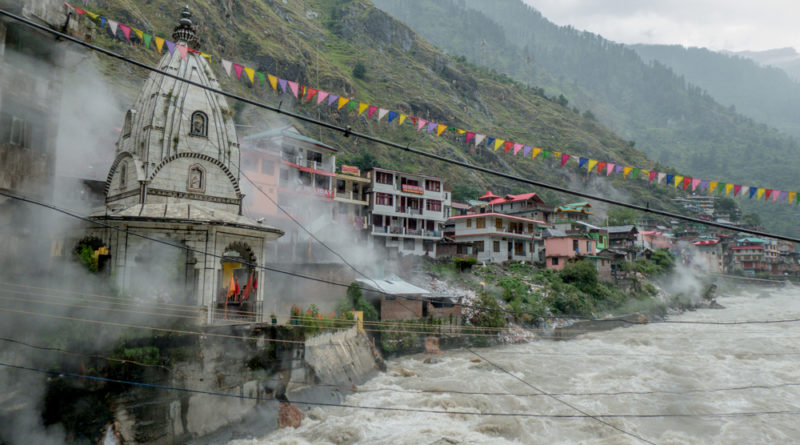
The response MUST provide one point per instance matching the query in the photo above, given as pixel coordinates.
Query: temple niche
(175, 178)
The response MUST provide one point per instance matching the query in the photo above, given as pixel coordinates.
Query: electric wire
(59, 373)
(347, 131)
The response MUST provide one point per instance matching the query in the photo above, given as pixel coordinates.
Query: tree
(581, 274)
(359, 71)
(751, 219)
(354, 301)
(463, 192)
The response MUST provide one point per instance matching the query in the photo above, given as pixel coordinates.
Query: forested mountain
(765, 94)
(351, 48)
(787, 59)
(670, 119)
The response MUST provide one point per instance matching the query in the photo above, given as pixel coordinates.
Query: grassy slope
(319, 41)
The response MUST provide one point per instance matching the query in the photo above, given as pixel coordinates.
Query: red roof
(746, 247)
(488, 196)
(514, 198)
(480, 215)
(706, 242)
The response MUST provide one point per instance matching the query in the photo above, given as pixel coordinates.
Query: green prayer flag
(546, 154)
(352, 105)
(635, 172)
(261, 78)
(147, 39)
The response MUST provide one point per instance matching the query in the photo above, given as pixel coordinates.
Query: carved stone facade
(175, 178)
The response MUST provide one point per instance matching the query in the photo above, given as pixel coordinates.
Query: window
(408, 244)
(427, 245)
(433, 205)
(498, 224)
(123, 175)
(554, 261)
(519, 249)
(530, 228)
(340, 186)
(477, 246)
(197, 179)
(588, 246)
(480, 223)
(383, 199)
(575, 245)
(126, 127)
(199, 124)
(469, 223)
(432, 186)
(496, 246)
(267, 167)
(285, 174)
(383, 178)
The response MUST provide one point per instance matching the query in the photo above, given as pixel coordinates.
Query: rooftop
(393, 286)
(503, 215)
(291, 132)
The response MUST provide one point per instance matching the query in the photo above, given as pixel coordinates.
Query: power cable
(396, 409)
(348, 131)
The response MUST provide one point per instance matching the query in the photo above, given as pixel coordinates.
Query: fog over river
(698, 375)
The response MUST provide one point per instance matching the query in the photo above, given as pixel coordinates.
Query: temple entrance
(164, 273)
(239, 280)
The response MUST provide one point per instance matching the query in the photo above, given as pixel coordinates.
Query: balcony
(402, 231)
(351, 196)
(408, 211)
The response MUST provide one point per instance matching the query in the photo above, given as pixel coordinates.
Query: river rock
(289, 416)
(404, 372)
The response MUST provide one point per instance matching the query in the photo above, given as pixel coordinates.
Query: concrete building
(755, 255)
(352, 198)
(527, 205)
(175, 177)
(710, 255)
(407, 211)
(561, 248)
(496, 237)
(567, 213)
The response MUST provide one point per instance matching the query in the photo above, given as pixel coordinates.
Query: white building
(407, 211)
(496, 237)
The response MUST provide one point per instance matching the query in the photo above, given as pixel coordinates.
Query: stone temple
(175, 177)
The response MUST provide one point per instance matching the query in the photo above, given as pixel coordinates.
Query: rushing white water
(694, 371)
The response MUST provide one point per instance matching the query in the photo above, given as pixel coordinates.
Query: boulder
(289, 416)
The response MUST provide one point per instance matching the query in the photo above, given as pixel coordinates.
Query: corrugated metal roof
(393, 286)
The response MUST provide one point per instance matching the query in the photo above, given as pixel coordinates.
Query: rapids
(702, 376)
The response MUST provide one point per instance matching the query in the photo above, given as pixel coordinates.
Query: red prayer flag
(686, 181)
(508, 146)
(311, 93)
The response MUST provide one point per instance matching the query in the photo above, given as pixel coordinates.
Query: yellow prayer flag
(139, 33)
(273, 82)
(206, 55)
(361, 107)
(728, 188)
(759, 193)
(792, 196)
(498, 143)
(712, 185)
(678, 180)
(536, 151)
(645, 173)
(460, 131)
(626, 170)
(342, 102)
(440, 128)
(591, 164)
(92, 15)
(159, 43)
(556, 154)
(402, 119)
(250, 73)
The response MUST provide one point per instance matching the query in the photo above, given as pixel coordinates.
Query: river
(692, 382)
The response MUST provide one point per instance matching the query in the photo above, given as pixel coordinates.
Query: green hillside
(673, 121)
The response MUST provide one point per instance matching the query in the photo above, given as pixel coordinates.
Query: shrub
(359, 71)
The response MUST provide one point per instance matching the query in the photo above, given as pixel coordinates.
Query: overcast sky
(733, 25)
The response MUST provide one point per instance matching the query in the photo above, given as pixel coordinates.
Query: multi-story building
(699, 204)
(407, 211)
(710, 255)
(351, 197)
(527, 205)
(561, 248)
(754, 255)
(577, 211)
(496, 237)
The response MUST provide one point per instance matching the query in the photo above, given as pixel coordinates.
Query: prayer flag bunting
(635, 173)
(147, 39)
(479, 138)
(431, 127)
(652, 176)
(249, 71)
(661, 177)
(775, 195)
(759, 193)
(526, 150)
(557, 154)
(171, 47)
(619, 169)
(342, 102)
(546, 154)
(382, 113)
(582, 161)
(183, 51)
(352, 105)
(644, 173)
(236, 68)
(310, 93)
(321, 95)
(712, 185)
(564, 158)
(767, 194)
(402, 119)
(610, 167)
(126, 31)
(273, 81)
(678, 181)
(753, 191)
(498, 143)
(139, 33)
(103, 21)
(783, 196)
(591, 165)
(536, 151)
(421, 123)
(508, 145)
(736, 189)
(371, 110)
(704, 185)
(92, 15)
(626, 171)
(792, 196)
(728, 188)
(261, 78)
(686, 181)
(470, 135)
(440, 128)
(112, 25)
(393, 115)
(294, 86)
(670, 179)
(332, 99)
(489, 141)
(604, 166)
(160, 47)
(226, 64)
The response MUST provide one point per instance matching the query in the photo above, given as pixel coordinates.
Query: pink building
(559, 250)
